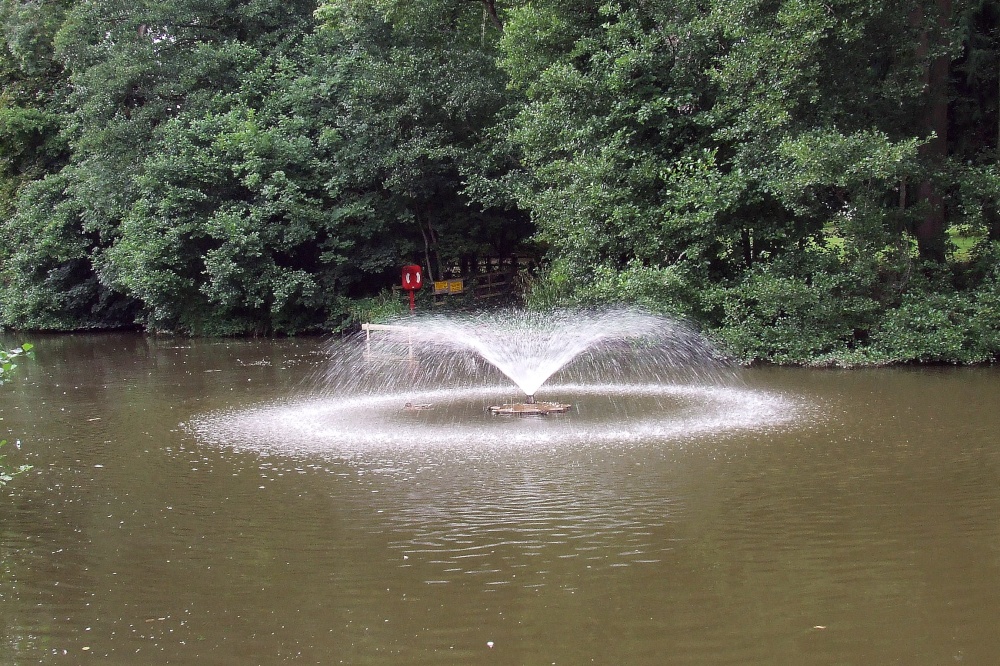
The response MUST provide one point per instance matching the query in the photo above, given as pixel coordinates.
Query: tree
(34, 86)
(232, 171)
(747, 145)
(421, 94)
(134, 68)
(612, 132)
(255, 167)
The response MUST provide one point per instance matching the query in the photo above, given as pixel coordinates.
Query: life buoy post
(412, 280)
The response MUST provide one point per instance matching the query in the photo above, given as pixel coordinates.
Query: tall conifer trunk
(931, 230)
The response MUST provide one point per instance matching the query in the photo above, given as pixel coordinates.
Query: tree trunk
(992, 214)
(491, 11)
(427, 254)
(993, 208)
(747, 242)
(931, 230)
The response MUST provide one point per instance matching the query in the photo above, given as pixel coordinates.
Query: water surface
(863, 530)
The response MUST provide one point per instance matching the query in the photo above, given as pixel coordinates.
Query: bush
(670, 290)
(942, 327)
(774, 315)
(375, 310)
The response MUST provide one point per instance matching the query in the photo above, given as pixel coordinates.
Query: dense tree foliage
(778, 170)
(810, 181)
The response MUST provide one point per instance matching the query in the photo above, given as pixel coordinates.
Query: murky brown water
(866, 531)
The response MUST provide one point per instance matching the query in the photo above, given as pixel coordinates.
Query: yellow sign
(449, 286)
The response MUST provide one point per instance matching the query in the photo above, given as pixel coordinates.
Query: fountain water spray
(427, 381)
(526, 347)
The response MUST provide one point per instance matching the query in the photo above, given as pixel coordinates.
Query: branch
(491, 9)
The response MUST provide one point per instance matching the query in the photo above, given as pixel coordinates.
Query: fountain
(605, 375)
(528, 348)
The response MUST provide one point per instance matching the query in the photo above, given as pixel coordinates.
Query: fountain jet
(528, 348)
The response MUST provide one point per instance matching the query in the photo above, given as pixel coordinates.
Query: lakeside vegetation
(8, 363)
(808, 181)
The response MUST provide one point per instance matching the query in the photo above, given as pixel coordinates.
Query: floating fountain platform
(529, 408)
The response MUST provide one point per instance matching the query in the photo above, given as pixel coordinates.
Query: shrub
(788, 319)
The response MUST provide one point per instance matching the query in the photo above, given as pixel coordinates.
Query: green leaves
(829, 157)
(610, 117)
(8, 359)
(237, 167)
(776, 150)
(7, 366)
(6, 473)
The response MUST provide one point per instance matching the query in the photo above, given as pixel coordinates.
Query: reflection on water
(516, 529)
(855, 524)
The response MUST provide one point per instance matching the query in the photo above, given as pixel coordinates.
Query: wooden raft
(530, 409)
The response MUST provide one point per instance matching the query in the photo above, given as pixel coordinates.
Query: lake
(200, 502)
